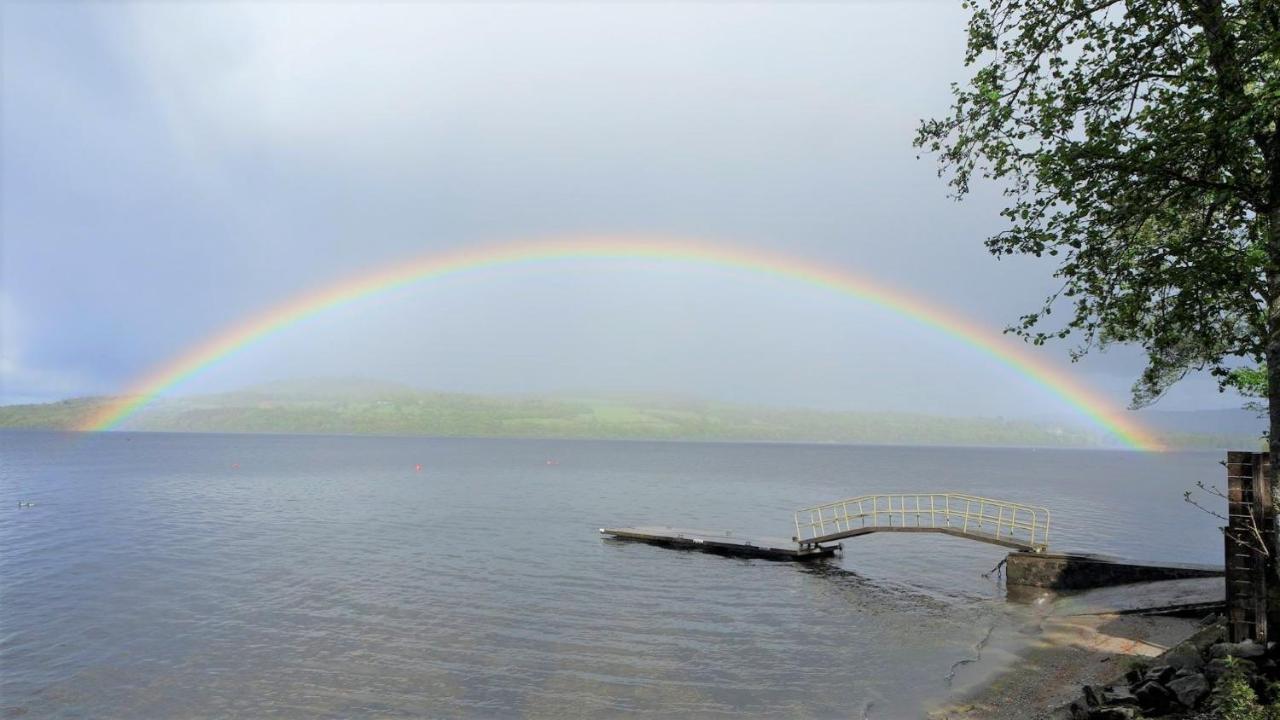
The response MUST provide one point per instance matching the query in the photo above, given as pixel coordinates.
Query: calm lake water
(290, 576)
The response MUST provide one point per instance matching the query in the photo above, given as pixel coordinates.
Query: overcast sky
(171, 168)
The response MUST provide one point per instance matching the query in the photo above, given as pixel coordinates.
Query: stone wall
(1075, 572)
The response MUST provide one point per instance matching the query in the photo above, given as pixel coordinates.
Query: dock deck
(721, 543)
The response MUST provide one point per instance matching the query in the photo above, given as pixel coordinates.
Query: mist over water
(176, 575)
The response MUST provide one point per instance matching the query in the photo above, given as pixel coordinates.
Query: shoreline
(1036, 665)
(1188, 449)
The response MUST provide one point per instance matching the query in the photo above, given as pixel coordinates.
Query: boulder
(1113, 713)
(1184, 655)
(1160, 673)
(1246, 649)
(1190, 690)
(1100, 696)
(1217, 667)
(1119, 696)
(1153, 698)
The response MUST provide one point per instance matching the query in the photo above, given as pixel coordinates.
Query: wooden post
(1250, 546)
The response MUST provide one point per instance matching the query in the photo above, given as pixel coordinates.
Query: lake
(169, 575)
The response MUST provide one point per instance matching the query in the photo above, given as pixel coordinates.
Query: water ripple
(202, 576)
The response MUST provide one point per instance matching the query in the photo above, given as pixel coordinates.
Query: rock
(1212, 635)
(1184, 655)
(1153, 697)
(1119, 696)
(1160, 673)
(1216, 668)
(1113, 713)
(1102, 696)
(1191, 689)
(1246, 649)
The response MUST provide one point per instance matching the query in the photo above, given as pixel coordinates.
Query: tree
(1138, 143)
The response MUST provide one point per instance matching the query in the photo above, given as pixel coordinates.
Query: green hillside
(361, 407)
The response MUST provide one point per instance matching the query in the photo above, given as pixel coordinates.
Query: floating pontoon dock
(722, 543)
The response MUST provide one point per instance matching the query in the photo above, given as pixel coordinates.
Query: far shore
(347, 408)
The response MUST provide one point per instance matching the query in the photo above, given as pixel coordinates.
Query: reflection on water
(179, 575)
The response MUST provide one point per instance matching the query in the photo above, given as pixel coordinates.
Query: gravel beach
(1035, 670)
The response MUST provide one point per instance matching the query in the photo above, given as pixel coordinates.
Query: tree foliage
(1136, 142)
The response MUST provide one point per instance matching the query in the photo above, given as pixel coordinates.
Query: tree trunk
(1273, 412)
(1271, 151)
(1273, 348)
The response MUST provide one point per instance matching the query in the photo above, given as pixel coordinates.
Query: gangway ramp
(999, 522)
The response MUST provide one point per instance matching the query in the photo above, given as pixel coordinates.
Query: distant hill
(373, 407)
(1230, 428)
(1207, 422)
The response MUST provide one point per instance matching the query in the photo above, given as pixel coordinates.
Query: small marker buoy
(235, 466)
(417, 467)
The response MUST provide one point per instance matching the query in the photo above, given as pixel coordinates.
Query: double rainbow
(244, 334)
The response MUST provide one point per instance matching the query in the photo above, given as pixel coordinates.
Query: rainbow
(244, 334)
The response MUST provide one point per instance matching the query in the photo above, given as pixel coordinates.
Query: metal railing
(954, 513)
